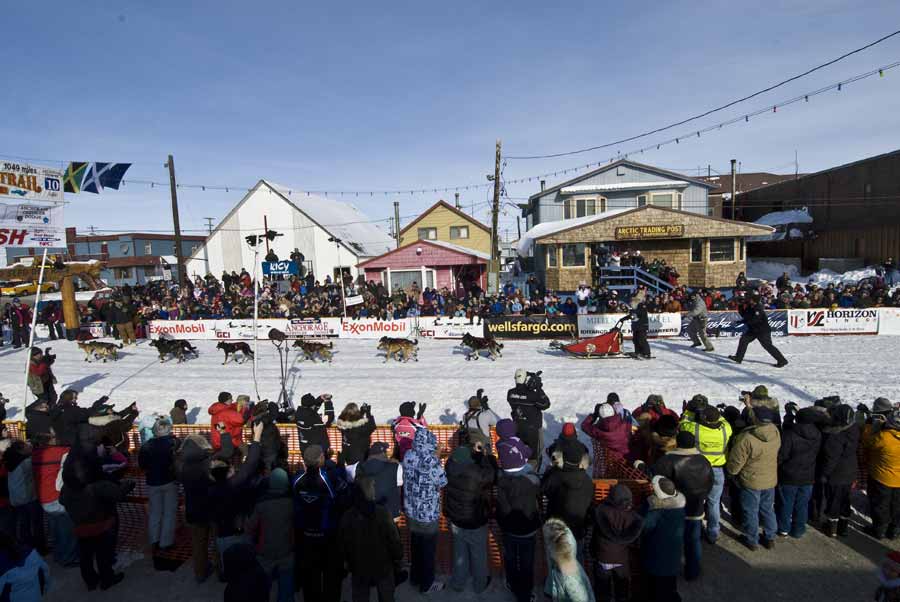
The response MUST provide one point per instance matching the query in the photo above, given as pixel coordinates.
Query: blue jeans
(714, 503)
(758, 504)
(793, 508)
(65, 544)
(693, 550)
(469, 558)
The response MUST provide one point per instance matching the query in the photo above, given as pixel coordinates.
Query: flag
(103, 175)
(74, 176)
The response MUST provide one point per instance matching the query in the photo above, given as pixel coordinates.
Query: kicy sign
(279, 268)
(833, 321)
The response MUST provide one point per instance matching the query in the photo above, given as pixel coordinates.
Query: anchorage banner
(31, 225)
(31, 182)
(531, 327)
(661, 325)
(728, 323)
(833, 321)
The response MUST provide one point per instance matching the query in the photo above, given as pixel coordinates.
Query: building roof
(452, 209)
(614, 164)
(745, 182)
(129, 235)
(548, 229)
(435, 243)
(622, 186)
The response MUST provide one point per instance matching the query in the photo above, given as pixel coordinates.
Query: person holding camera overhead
(310, 427)
(528, 402)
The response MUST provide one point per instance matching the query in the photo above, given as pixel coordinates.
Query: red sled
(608, 344)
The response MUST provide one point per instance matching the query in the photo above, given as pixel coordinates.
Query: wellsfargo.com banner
(531, 327)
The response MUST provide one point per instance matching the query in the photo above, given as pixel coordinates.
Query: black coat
(467, 497)
(384, 473)
(247, 580)
(157, 459)
(369, 540)
(518, 502)
(229, 497)
(837, 461)
(754, 317)
(614, 530)
(692, 474)
(527, 407)
(311, 429)
(800, 445)
(569, 493)
(355, 439)
(640, 319)
(38, 423)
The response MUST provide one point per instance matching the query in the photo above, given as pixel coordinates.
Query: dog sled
(606, 345)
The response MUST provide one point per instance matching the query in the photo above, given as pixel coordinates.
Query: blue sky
(374, 95)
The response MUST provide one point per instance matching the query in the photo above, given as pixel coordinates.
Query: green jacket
(753, 459)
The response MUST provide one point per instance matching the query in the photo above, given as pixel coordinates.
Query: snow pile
(826, 277)
(783, 218)
(526, 243)
(770, 270)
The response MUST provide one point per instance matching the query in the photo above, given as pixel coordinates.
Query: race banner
(367, 328)
(279, 268)
(833, 321)
(889, 321)
(531, 327)
(31, 225)
(95, 329)
(729, 323)
(661, 325)
(354, 300)
(31, 182)
(242, 330)
(449, 328)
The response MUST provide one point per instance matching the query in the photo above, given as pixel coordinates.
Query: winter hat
(307, 401)
(663, 488)
(763, 414)
(685, 440)
(35, 351)
(572, 455)
(666, 426)
(843, 415)
(278, 481)
(162, 427)
(474, 403)
(620, 496)
(612, 398)
(654, 400)
(379, 448)
(506, 428)
(521, 375)
(510, 456)
(697, 403)
(732, 414)
(462, 454)
(710, 417)
(181, 403)
(243, 399)
(224, 397)
(882, 405)
(568, 430)
(606, 411)
(893, 420)
(312, 455)
(760, 392)
(408, 409)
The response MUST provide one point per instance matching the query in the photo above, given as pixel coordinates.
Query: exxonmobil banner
(375, 329)
(730, 324)
(833, 321)
(661, 325)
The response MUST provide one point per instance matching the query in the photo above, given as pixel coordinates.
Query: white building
(306, 221)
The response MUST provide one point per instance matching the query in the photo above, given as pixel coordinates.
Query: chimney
(543, 185)
(457, 201)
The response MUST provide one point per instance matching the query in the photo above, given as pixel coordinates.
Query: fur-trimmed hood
(679, 451)
(345, 425)
(670, 503)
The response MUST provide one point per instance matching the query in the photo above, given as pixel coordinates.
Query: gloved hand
(421, 412)
(366, 409)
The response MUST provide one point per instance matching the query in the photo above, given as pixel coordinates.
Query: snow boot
(843, 527)
(781, 364)
(735, 359)
(830, 527)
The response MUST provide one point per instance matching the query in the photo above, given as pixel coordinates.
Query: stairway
(628, 278)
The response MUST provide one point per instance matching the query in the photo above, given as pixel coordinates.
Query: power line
(710, 111)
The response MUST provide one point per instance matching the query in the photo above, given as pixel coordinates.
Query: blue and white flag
(103, 175)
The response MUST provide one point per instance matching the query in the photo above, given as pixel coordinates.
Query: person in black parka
(800, 445)
(387, 476)
(356, 425)
(310, 428)
(570, 492)
(753, 315)
(616, 527)
(838, 468)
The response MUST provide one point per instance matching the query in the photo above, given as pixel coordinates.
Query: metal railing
(629, 278)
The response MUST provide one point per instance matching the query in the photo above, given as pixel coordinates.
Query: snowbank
(770, 271)
(783, 218)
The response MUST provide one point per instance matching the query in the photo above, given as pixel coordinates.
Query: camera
(533, 380)
(3, 400)
(49, 358)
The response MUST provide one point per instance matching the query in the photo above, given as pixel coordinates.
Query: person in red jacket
(19, 323)
(47, 461)
(609, 429)
(225, 412)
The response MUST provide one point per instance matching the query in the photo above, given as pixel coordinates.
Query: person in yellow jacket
(882, 447)
(712, 433)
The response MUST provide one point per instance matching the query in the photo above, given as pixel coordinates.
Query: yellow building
(444, 222)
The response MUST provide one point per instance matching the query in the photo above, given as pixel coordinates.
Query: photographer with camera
(40, 375)
(528, 402)
(311, 429)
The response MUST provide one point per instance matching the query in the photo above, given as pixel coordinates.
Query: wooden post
(397, 222)
(69, 307)
(495, 243)
(174, 190)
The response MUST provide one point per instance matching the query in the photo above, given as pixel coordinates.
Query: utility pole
(796, 166)
(209, 222)
(708, 170)
(457, 201)
(495, 210)
(397, 222)
(519, 226)
(733, 188)
(173, 188)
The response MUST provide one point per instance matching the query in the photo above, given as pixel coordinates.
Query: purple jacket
(613, 433)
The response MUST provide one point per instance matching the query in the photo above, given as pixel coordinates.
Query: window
(123, 273)
(404, 279)
(148, 248)
(125, 248)
(663, 199)
(582, 207)
(573, 255)
(551, 256)
(427, 233)
(741, 256)
(459, 232)
(721, 249)
(696, 250)
(642, 200)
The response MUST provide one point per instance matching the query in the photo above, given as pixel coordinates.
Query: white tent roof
(341, 220)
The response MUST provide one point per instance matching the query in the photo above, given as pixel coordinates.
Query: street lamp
(337, 243)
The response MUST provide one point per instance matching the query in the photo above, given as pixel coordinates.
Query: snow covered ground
(770, 271)
(857, 368)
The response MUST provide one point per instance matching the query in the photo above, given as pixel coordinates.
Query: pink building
(430, 264)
